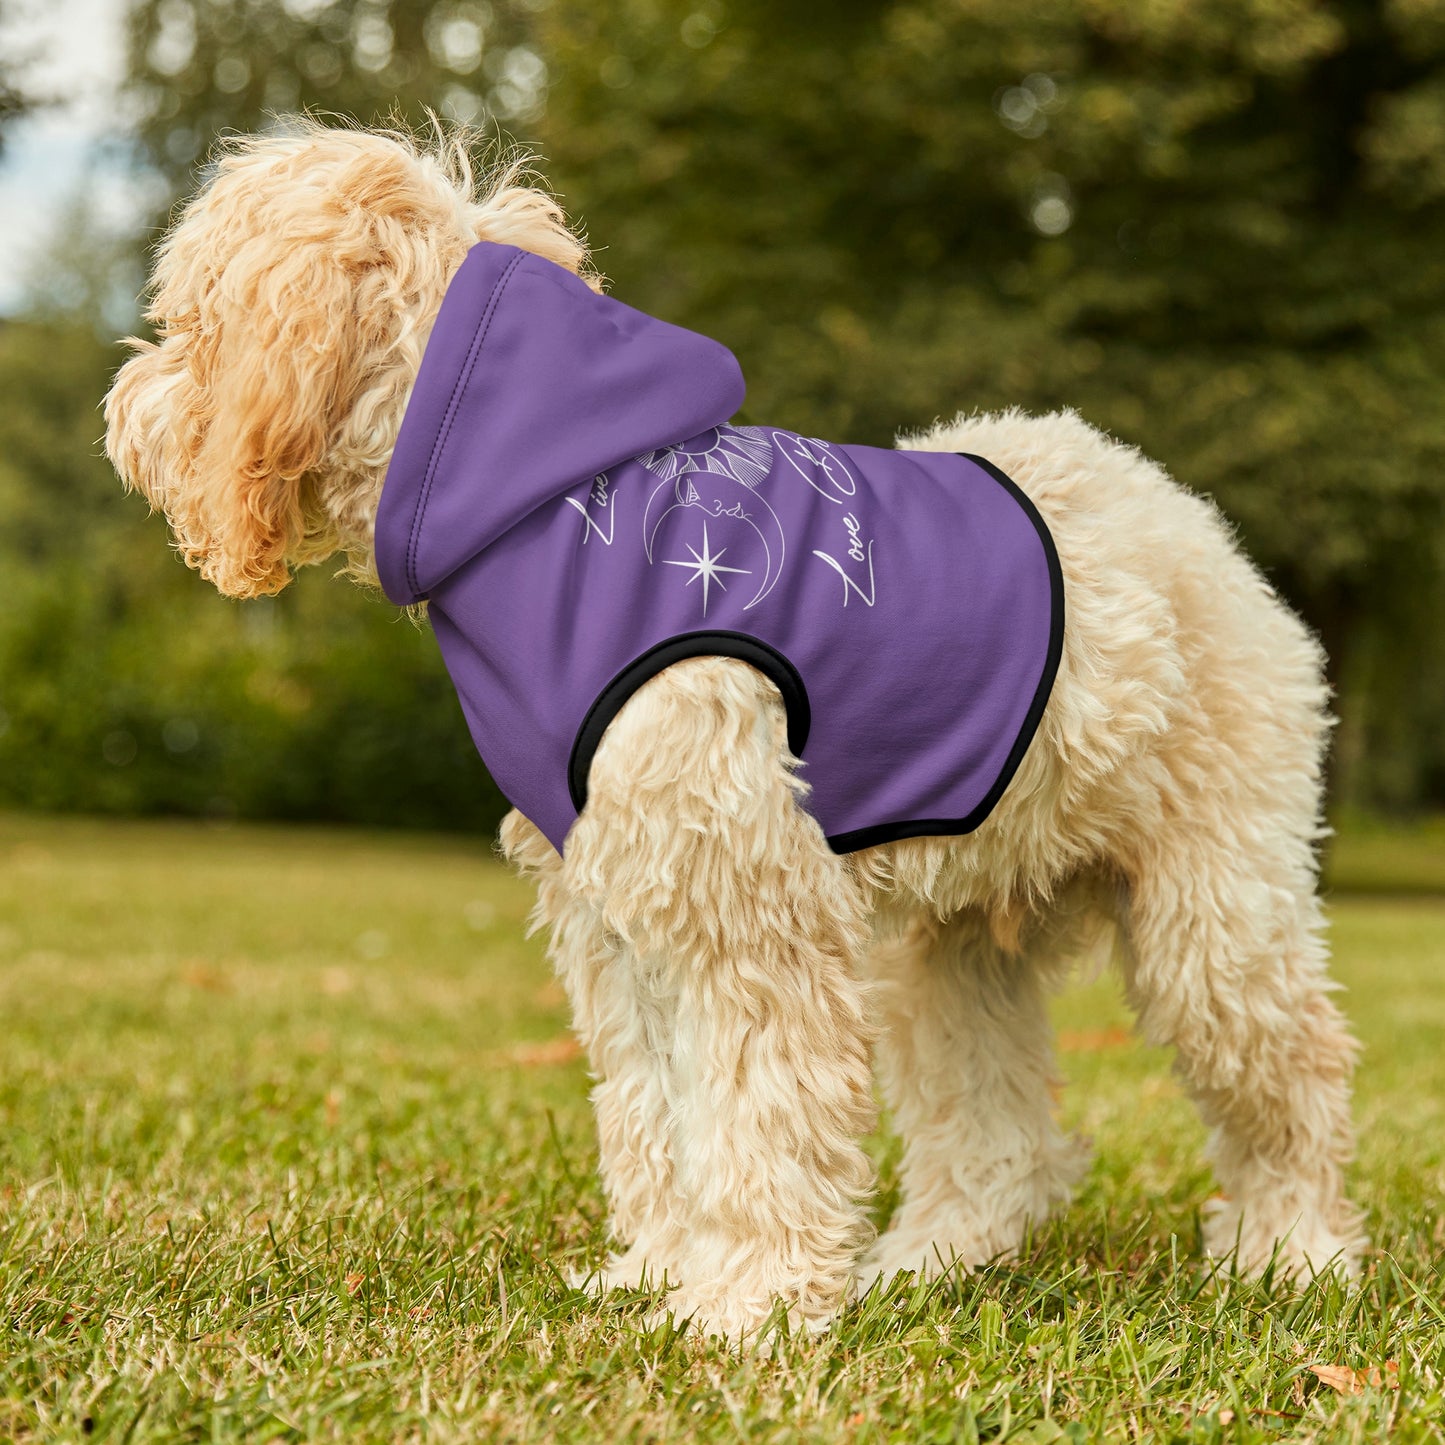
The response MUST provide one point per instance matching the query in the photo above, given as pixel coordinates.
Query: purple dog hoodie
(570, 497)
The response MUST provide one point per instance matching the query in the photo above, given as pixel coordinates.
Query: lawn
(293, 1145)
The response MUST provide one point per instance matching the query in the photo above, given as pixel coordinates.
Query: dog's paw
(924, 1262)
(928, 1254)
(633, 1270)
(1298, 1245)
(965, 1228)
(741, 1323)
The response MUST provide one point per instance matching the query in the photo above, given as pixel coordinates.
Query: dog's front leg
(701, 863)
(624, 1026)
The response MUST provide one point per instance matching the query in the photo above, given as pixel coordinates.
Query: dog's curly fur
(731, 976)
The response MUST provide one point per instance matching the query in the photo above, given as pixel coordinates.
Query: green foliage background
(1215, 227)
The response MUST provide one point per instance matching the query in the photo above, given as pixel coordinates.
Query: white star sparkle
(706, 567)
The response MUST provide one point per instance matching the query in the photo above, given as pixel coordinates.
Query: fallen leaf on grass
(561, 1050)
(1345, 1381)
(197, 973)
(354, 1283)
(1090, 1041)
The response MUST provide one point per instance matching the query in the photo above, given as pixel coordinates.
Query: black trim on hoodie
(768, 660)
(947, 827)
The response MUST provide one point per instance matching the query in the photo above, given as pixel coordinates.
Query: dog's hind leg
(1228, 965)
(696, 853)
(966, 1060)
(625, 1029)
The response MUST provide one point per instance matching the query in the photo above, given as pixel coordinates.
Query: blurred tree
(201, 67)
(1216, 227)
(14, 100)
(52, 475)
(127, 685)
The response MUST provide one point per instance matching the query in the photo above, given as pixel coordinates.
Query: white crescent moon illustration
(718, 495)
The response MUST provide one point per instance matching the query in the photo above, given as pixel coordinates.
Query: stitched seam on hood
(484, 325)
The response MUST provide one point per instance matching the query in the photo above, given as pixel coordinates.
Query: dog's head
(292, 301)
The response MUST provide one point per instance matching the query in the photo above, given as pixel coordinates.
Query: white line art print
(820, 464)
(598, 503)
(705, 565)
(744, 453)
(857, 552)
(717, 473)
(715, 477)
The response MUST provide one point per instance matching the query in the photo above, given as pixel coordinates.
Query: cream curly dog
(731, 975)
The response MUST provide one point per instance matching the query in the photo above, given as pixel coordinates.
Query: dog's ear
(280, 360)
(148, 412)
(223, 421)
(292, 302)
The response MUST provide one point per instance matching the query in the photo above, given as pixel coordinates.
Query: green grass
(1370, 855)
(284, 1155)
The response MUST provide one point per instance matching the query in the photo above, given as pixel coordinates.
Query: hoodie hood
(530, 384)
